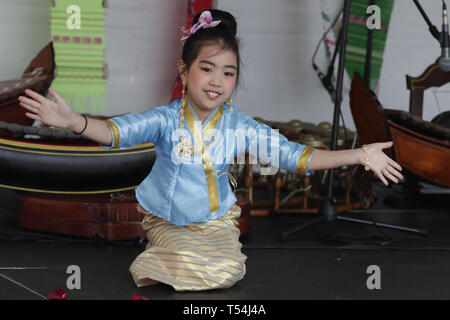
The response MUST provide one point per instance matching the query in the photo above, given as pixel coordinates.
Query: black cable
(326, 79)
(433, 30)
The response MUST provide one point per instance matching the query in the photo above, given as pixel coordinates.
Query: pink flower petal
(204, 21)
(205, 17)
(196, 27)
(60, 294)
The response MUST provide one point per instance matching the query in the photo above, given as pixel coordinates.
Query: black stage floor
(309, 265)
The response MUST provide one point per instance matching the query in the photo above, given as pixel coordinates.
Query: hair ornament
(204, 21)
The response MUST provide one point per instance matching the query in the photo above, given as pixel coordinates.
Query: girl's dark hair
(224, 34)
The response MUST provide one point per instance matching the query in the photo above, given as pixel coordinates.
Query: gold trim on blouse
(115, 131)
(303, 160)
(206, 160)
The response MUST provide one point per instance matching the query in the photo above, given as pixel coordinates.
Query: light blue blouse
(197, 188)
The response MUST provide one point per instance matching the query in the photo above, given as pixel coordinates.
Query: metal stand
(433, 30)
(328, 209)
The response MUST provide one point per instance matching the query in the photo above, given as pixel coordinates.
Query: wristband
(85, 125)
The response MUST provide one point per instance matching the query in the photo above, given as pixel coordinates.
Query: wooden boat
(420, 146)
(37, 76)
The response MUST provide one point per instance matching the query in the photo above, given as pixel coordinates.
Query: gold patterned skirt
(198, 256)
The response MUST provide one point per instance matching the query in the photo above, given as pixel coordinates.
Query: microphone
(444, 61)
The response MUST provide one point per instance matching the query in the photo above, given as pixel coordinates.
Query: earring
(229, 101)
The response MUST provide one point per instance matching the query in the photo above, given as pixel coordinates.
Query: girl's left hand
(383, 166)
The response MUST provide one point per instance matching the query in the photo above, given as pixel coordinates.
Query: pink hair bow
(204, 21)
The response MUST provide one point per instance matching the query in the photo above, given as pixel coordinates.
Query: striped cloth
(199, 256)
(355, 59)
(78, 33)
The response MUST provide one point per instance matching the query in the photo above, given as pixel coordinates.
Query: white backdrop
(279, 37)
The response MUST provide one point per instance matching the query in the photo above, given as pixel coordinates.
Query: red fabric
(176, 92)
(198, 6)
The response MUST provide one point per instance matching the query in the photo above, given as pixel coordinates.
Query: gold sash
(206, 160)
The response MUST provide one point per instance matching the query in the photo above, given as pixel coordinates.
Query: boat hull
(72, 169)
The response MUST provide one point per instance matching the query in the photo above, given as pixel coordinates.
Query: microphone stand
(368, 61)
(328, 209)
(434, 31)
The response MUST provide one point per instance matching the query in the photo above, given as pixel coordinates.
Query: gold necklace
(184, 147)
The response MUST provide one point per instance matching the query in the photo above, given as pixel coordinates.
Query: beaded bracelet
(85, 125)
(366, 160)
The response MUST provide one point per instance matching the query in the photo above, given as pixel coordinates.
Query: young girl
(189, 206)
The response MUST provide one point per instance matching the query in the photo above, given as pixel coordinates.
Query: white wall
(279, 37)
(24, 31)
(142, 45)
(142, 49)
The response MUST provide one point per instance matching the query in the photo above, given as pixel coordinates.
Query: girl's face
(211, 78)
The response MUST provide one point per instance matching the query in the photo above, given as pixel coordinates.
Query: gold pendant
(185, 148)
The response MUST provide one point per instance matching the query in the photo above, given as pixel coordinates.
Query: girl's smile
(213, 94)
(210, 79)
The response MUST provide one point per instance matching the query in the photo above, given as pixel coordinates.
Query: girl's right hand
(52, 113)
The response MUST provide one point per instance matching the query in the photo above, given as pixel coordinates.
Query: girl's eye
(229, 74)
(206, 69)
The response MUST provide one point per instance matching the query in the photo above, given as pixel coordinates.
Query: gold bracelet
(366, 160)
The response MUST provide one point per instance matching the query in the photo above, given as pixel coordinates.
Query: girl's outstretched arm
(383, 166)
(58, 114)
(96, 130)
